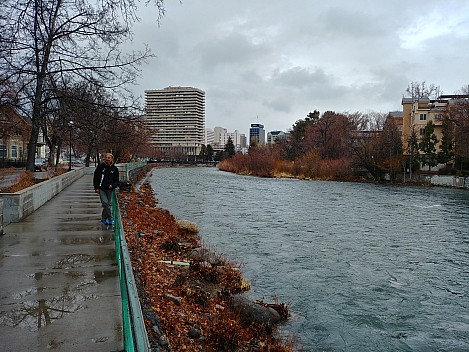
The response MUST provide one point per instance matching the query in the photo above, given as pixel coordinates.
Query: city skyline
(276, 68)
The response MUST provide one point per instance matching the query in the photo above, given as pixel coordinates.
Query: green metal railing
(135, 333)
(127, 168)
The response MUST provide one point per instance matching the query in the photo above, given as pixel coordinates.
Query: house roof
(8, 113)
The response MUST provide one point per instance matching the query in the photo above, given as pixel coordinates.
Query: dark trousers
(106, 199)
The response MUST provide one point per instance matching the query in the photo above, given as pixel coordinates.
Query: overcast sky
(274, 61)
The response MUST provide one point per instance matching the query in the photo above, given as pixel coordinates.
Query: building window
(20, 149)
(14, 151)
(3, 151)
(423, 117)
(422, 131)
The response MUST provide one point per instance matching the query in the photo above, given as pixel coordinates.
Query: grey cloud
(279, 60)
(352, 23)
(235, 49)
(299, 77)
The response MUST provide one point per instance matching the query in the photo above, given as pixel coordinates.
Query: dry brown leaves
(183, 297)
(25, 180)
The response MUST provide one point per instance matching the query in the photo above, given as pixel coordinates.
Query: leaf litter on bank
(192, 303)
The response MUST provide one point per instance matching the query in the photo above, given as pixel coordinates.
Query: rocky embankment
(192, 297)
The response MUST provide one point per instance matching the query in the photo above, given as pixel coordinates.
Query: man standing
(105, 181)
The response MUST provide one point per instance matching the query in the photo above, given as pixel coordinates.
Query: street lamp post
(70, 147)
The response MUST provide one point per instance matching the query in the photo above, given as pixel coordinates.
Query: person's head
(108, 158)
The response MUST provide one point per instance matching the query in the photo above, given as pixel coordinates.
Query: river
(363, 267)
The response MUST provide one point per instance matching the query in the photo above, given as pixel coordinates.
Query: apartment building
(209, 137)
(218, 132)
(176, 117)
(274, 137)
(417, 112)
(396, 117)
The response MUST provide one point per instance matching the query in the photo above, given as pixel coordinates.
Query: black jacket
(105, 175)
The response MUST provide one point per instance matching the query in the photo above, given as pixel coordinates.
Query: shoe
(111, 222)
(104, 221)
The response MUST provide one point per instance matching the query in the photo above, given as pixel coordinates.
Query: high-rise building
(209, 137)
(237, 139)
(176, 117)
(218, 132)
(256, 134)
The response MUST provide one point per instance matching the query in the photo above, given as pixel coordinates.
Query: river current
(362, 267)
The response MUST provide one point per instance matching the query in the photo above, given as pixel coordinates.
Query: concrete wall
(18, 205)
(1, 217)
(446, 180)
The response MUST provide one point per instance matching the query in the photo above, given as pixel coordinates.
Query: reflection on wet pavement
(33, 314)
(58, 270)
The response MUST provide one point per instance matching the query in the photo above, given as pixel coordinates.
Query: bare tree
(331, 135)
(391, 149)
(358, 120)
(457, 114)
(364, 146)
(463, 91)
(422, 90)
(49, 41)
(92, 115)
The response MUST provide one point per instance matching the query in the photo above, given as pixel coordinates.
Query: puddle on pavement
(34, 314)
(99, 275)
(73, 260)
(69, 240)
(78, 226)
(71, 274)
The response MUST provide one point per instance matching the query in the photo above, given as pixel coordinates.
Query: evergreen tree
(203, 152)
(413, 150)
(210, 152)
(427, 145)
(446, 152)
(229, 148)
(219, 155)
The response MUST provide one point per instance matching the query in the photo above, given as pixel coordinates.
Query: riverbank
(267, 162)
(187, 291)
(424, 179)
(351, 274)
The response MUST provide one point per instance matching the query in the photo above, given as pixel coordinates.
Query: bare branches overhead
(45, 42)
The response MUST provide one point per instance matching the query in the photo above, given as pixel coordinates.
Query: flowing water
(363, 267)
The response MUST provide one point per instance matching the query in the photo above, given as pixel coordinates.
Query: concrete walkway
(58, 278)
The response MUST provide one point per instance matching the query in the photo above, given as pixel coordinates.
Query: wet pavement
(58, 278)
